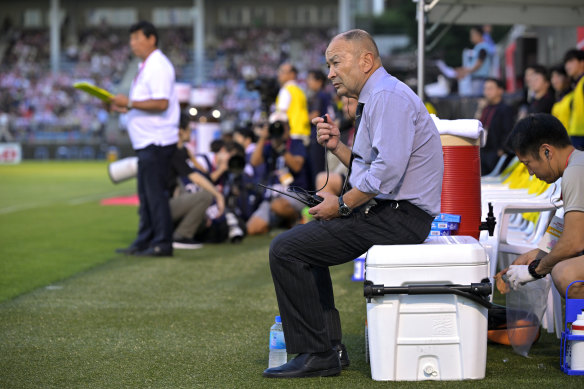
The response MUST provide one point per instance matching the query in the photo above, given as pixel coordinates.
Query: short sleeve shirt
(154, 80)
(573, 183)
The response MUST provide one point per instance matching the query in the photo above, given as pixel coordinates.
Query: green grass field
(75, 315)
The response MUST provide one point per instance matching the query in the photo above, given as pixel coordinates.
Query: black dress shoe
(308, 365)
(343, 356)
(155, 251)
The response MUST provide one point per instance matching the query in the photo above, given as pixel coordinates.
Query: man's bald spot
(361, 40)
(287, 67)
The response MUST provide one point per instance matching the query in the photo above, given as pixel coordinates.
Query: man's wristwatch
(344, 209)
(531, 269)
(129, 106)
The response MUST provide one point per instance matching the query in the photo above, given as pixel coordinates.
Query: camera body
(276, 129)
(236, 164)
(268, 89)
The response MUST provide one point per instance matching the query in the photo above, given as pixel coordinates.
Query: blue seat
(62, 152)
(87, 152)
(41, 152)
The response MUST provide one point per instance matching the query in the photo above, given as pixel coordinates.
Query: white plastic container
(123, 170)
(433, 336)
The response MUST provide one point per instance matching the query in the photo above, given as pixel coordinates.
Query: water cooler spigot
(489, 224)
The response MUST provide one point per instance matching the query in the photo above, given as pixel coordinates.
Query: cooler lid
(435, 251)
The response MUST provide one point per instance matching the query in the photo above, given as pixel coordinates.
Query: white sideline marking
(16, 208)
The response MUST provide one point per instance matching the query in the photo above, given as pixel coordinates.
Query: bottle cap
(278, 319)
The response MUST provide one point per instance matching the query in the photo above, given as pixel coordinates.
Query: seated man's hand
(518, 275)
(328, 209)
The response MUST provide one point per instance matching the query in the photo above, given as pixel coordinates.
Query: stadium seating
(41, 102)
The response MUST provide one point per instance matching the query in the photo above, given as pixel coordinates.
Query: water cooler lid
(435, 251)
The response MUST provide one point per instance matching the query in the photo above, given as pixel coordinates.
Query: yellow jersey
(297, 111)
(576, 126)
(563, 108)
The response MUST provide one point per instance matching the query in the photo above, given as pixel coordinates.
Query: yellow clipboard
(93, 90)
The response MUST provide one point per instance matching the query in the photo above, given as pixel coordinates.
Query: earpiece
(547, 153)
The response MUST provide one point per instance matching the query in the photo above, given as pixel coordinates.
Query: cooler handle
(477, 292)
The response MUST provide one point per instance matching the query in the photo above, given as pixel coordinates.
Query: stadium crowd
(557, 90)
(40, 104)
(44, 105)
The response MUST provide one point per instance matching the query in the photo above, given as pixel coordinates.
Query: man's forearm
(562, 250)
(355, 197)
(204, 183)
(343, 153)
(150, 105)
(257, 158)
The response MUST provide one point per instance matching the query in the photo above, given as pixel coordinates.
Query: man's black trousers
(155, 228)
(300, 257)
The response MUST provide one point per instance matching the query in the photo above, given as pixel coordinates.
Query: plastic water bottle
(278, 355)
(577, 346)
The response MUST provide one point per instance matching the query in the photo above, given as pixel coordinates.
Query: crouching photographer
(284, 159)
(229, 224)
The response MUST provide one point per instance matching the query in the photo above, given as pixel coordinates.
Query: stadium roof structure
(507, 12)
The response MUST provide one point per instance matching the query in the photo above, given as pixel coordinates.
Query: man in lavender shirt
(396, 169)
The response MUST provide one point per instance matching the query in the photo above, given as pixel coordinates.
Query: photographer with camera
(284, 159)
(192, 193)
(245, 136)
(247, 195)
(214, 165)
(224, 167)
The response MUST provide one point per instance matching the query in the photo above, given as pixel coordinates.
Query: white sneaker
(186, 244)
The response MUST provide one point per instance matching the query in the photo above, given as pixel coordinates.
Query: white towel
(469, 128)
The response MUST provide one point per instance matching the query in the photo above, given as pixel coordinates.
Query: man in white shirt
(152, 115)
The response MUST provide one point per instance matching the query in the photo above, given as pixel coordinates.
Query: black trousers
(155, 228)
(300, 257)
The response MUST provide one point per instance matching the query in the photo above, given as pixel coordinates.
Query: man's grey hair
(362, 37)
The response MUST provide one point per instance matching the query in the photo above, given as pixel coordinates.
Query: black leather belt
(392, 203)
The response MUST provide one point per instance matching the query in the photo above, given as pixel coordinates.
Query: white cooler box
(420, 327)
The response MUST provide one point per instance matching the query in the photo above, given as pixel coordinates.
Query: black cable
(305, 196)
(297, 189)
(310, 200)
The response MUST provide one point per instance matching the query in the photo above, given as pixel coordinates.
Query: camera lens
(276, 129)
(236, 164)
